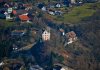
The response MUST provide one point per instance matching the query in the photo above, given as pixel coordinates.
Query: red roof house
(14, 12)
(24, 17)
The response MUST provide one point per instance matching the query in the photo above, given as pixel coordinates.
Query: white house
(58, 5)
(51, 13)
(2, 63)
(62, 69)
(7, 15)
(66, 68)
(43, 8)
(46, 35)
(73, 1)
(10, 10)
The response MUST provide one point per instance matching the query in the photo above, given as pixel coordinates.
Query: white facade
(66, 68)
(62, 68)
(58, 5)
(73, 1)
(9, 10)
(2, 63)
(44, 9)
(46, 35)
(7, 16)
(51, 13)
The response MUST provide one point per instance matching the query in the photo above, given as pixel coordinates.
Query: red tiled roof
(71, 34)
(23, 17)
(14, 12)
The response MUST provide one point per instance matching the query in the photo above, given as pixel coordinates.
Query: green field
(77, 13)
(5, 23)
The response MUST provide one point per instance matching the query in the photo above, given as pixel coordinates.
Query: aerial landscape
(49, 34)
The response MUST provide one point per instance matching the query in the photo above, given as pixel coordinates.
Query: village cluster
(13, 9)
(23, 14)
(53, 8)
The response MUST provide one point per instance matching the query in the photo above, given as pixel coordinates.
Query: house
(24, 18)
(43, 8)
(46, 35)
(71, 37)
(14, 12)
(66, 68)
(2, 63)
(58, 5)
(7, 16)
(73, 1)
(10, 10)
(51, 12)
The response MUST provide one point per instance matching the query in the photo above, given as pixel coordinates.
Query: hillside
(81, 22)
(77, 13)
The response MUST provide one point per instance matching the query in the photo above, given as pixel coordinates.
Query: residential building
(7, 16)
(58, 5)
(46, 35)
(24, 18)
(71, 37)
(66, 68)
(43, 8)
(10, 10)
(73, 1)
(14, 12)
(51, 12)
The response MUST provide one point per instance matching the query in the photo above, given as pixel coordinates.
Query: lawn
(5, 23)
(77, 13)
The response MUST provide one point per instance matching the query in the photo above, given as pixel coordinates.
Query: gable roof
(46, 32)
(14, 12)
(23, 17)
(71, 34)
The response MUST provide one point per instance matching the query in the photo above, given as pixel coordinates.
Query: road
(27, 47)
